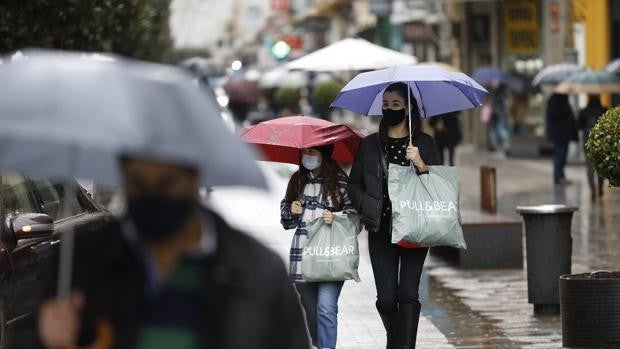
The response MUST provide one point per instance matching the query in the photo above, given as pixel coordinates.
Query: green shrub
(325, 93)
(603, 146)
(287, 97)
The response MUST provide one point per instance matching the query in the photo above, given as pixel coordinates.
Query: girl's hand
(413, 154)
(296, 208)
(328, 217)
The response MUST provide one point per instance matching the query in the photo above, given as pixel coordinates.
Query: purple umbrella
(436, 90)
(490, 75)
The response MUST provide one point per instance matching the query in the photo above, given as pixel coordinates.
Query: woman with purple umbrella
(397, 268)
(402, 95)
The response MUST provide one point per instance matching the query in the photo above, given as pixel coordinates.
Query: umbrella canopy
(613, 66)
(199, 66)
(556, 73)
(241, 90)
(520, 84)
(351, 55)
(437, 91)
(490, 75)
(66, 116)
(280, 140)
(591, 82)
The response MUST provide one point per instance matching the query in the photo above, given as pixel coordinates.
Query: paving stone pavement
(359, 325)
(461, 308)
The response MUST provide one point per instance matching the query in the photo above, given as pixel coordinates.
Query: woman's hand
(413, 154)
(296, 208)
(328, 217)
(59, 321)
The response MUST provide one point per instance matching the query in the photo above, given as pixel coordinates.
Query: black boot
(390, 322)
(409, 318)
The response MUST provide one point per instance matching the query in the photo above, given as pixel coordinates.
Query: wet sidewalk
(461, 308)
(359, 325)
(488, 308)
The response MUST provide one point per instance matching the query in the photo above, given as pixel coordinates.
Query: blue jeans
(560, 153)
(320, 301)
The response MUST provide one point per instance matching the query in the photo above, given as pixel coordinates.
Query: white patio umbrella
(283, 77)
(351, 55)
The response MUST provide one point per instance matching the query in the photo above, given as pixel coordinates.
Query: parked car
(36, 211)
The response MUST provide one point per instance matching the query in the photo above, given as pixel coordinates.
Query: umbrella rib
(421, 107)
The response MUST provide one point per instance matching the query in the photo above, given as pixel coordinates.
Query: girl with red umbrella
(317, 190)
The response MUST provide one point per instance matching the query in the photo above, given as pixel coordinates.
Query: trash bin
(590, 305)
(549, 249)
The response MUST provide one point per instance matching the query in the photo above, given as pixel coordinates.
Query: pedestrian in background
(498, 125)
(171, 274)
(588, 117)
(317, 189)
(397, 268)
(447, 131)
(561, 130)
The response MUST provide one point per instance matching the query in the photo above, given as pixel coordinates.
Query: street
(121, 121)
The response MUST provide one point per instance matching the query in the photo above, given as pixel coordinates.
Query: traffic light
(281, 49)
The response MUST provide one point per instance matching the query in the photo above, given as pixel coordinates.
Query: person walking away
(498, 129)
(561, 130)
(396, 267)
(170, 274)
(316, 190)
(447, 131)
(588, 117)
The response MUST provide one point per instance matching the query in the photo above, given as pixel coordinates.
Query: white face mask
(311, 162)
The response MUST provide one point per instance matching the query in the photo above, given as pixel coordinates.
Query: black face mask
(158, 216)
(394, 117)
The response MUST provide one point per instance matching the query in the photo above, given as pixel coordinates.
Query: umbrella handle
(409, 111)
(65, 263)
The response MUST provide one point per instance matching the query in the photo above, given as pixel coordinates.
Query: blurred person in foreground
(171, 274)
(561, 130)
(588, 117)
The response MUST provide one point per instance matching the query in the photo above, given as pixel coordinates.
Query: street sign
(521, 27)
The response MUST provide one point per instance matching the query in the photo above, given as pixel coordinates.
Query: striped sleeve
(287, 219)
(347, 205)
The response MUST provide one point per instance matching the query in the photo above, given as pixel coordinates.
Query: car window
(15, 195)
(55, 201)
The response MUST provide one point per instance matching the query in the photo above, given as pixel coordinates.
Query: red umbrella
(280, 140)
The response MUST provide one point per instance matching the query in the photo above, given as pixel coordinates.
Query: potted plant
(590, 303)
(324, 95)
(287, 98)
(603, 146)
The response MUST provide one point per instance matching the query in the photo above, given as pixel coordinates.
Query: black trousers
(397, 271)
(441, 148)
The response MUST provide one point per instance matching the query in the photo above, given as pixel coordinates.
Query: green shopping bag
(331, 252)
(425, 208)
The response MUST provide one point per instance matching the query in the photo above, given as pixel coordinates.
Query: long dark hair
(329, 171)
(402, 89)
